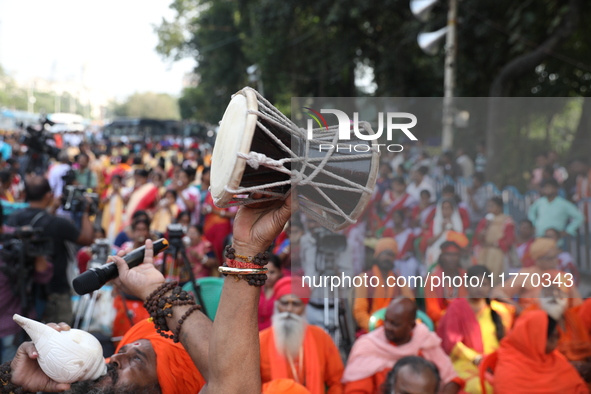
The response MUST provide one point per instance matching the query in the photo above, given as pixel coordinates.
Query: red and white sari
(406, 263)
(392, 203)
(141, 199)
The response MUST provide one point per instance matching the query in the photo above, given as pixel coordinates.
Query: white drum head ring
(235, 135)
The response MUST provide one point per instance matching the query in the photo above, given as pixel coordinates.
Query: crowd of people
(503, 336)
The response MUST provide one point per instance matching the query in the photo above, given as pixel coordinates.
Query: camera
(26, 241)
(74, 199)
(18, 252)
(329, 246)
(69, 177)
(100, 250)
(329, 243)
(176, 232)
(39, 149)
(36, 140)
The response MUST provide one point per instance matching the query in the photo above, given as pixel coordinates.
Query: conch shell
(65, 356)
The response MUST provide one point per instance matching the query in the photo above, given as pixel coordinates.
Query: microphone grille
(86, 283)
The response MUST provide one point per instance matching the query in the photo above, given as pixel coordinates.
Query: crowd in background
(409, 228)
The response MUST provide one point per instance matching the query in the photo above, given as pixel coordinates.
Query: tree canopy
(149, 105)
(316, 48)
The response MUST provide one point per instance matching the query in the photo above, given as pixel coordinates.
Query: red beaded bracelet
(241, 264)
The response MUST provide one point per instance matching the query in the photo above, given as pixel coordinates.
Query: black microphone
(95, 278)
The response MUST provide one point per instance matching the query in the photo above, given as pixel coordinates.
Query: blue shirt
(6, 151)
(559, 214)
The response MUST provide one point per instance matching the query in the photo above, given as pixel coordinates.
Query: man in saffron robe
(369, 300)
(144, 362)
(438, 293)
(374, 354)
(227, 369)
(574, 341)
(284, 386)
(528, 361)
(292, 349)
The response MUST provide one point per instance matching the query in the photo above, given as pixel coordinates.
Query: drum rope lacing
(268, 113)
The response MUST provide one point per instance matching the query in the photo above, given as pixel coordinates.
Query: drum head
(234, 135)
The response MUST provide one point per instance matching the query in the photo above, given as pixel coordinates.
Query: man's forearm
(194, 336)
(86, 232)
(235, 341)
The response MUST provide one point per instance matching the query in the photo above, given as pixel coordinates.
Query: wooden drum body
(260, 150)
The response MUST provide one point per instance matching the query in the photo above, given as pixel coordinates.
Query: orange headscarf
(386, 244)
(524, 366)
(284, 386)
(175, 370)
(540, 247)
(459, 238)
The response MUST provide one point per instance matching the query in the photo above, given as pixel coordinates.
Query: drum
(260, 150)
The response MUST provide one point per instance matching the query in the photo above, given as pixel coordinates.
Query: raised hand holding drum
(260, 150)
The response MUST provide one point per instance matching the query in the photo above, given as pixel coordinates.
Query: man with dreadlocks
(225, 353)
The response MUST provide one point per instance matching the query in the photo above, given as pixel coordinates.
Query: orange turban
(174, 368)
(386, 244)
(450, 247)
(540, 247)
(284, 386)
(291, 285)
(459, 238)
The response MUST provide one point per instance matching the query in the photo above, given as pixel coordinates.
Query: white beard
(289, 330)
(554, 307)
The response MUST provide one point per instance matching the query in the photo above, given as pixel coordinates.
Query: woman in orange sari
(529, 363)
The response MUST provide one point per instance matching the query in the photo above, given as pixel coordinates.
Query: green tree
(312, 48)
(149, 105)
(215, 43)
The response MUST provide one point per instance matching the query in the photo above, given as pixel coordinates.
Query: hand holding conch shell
(64, 356)
(27, 373)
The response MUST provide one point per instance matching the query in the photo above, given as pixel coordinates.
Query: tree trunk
(501, 87)
(579, 148)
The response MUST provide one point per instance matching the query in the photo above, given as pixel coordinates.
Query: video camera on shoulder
(36, 139)
(75, 198)
(18, 252)
(24, 243)
(69, 177)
